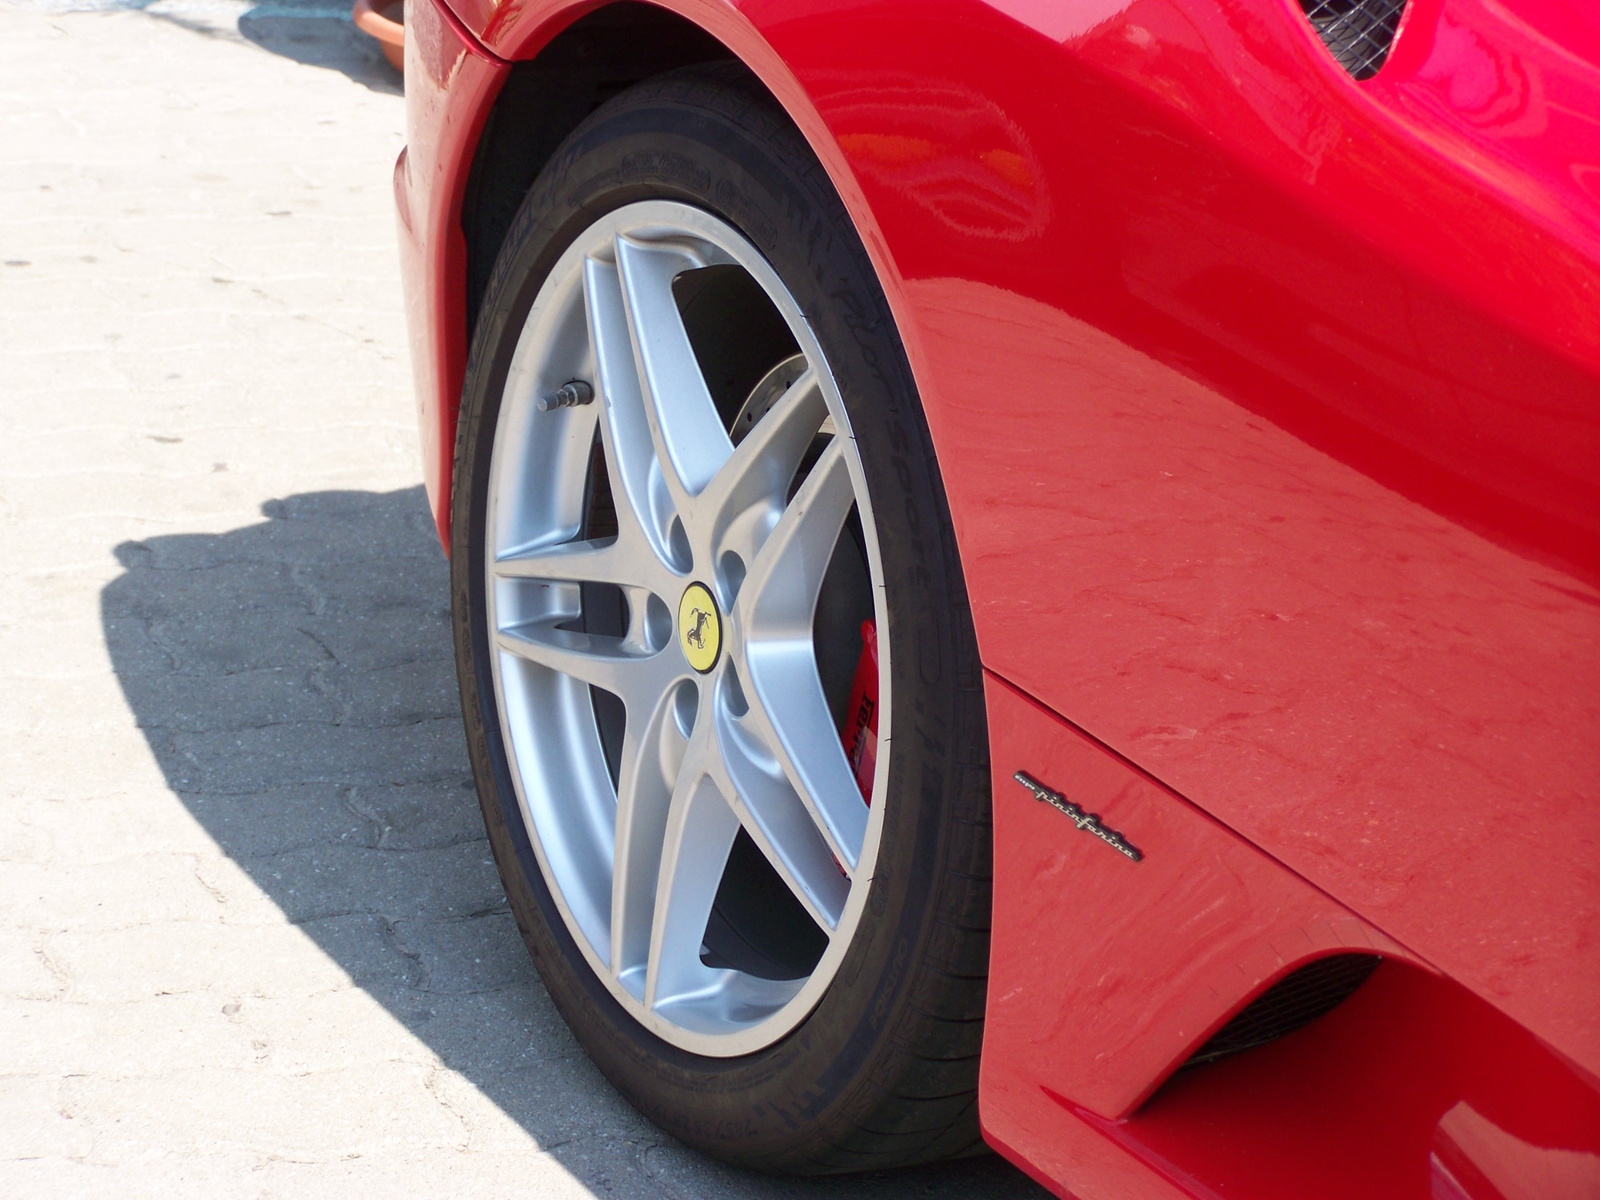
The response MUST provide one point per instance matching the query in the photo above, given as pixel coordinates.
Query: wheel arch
(565, 60)
(573, 63)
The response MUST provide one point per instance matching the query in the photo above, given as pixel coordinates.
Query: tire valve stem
(568, 395)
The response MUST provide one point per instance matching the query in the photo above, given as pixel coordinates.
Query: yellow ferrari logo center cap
(699, 627)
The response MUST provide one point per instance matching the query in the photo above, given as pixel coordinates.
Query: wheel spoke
(700, 829)
(600, 561)
(638, 679)
(641, 492)
(780, 594)
(786, 695)
(745, 498)
(792, 717)
(690, 437)
(654, 755)
(780, 822)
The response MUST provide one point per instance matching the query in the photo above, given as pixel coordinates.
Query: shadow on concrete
(317, 33)
(321, 36)
(294, 681)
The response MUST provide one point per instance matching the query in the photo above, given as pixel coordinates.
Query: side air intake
(1358, 33)
(1297, 999)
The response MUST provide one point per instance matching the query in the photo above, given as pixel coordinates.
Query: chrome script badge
(1088, 822)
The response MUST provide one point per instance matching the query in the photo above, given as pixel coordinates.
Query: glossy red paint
(1111, 972)
(1115, 971)
(1269, 417)
(1411, 1088)
(1268, 405)
(450, 83)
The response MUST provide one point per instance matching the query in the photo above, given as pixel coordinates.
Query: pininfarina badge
(1088, 822)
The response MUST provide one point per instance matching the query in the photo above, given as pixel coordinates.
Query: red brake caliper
(860, 732)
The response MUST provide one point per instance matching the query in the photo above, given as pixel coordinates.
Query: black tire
(884, 1070)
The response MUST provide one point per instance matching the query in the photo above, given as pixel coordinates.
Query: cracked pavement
(251, 941)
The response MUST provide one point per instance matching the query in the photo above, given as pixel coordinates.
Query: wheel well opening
(544, 98)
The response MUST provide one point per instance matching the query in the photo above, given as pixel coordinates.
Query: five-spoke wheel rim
(654, 566)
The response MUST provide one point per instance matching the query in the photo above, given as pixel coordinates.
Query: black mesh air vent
(1357, 32)
(1297, 999)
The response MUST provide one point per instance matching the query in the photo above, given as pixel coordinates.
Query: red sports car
(1026, 571)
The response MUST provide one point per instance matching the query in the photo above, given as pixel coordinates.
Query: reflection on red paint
(1473, 1158)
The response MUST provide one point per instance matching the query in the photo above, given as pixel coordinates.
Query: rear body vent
(1358, 33)
(1297, 999)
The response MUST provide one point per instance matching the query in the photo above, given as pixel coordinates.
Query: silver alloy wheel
(713, 542)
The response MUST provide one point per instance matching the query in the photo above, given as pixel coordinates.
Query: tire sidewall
(685, 141)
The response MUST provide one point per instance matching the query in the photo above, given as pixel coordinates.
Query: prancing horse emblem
(699, 627)
(696, 636)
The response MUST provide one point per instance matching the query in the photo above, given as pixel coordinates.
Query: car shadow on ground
(316, 34)
(294, 681)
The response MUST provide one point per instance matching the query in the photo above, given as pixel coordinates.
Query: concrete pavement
(251, 942)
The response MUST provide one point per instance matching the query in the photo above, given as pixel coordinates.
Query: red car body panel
(1111, 972)
(1159, 948)
(1268, 407)
(451, 82)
